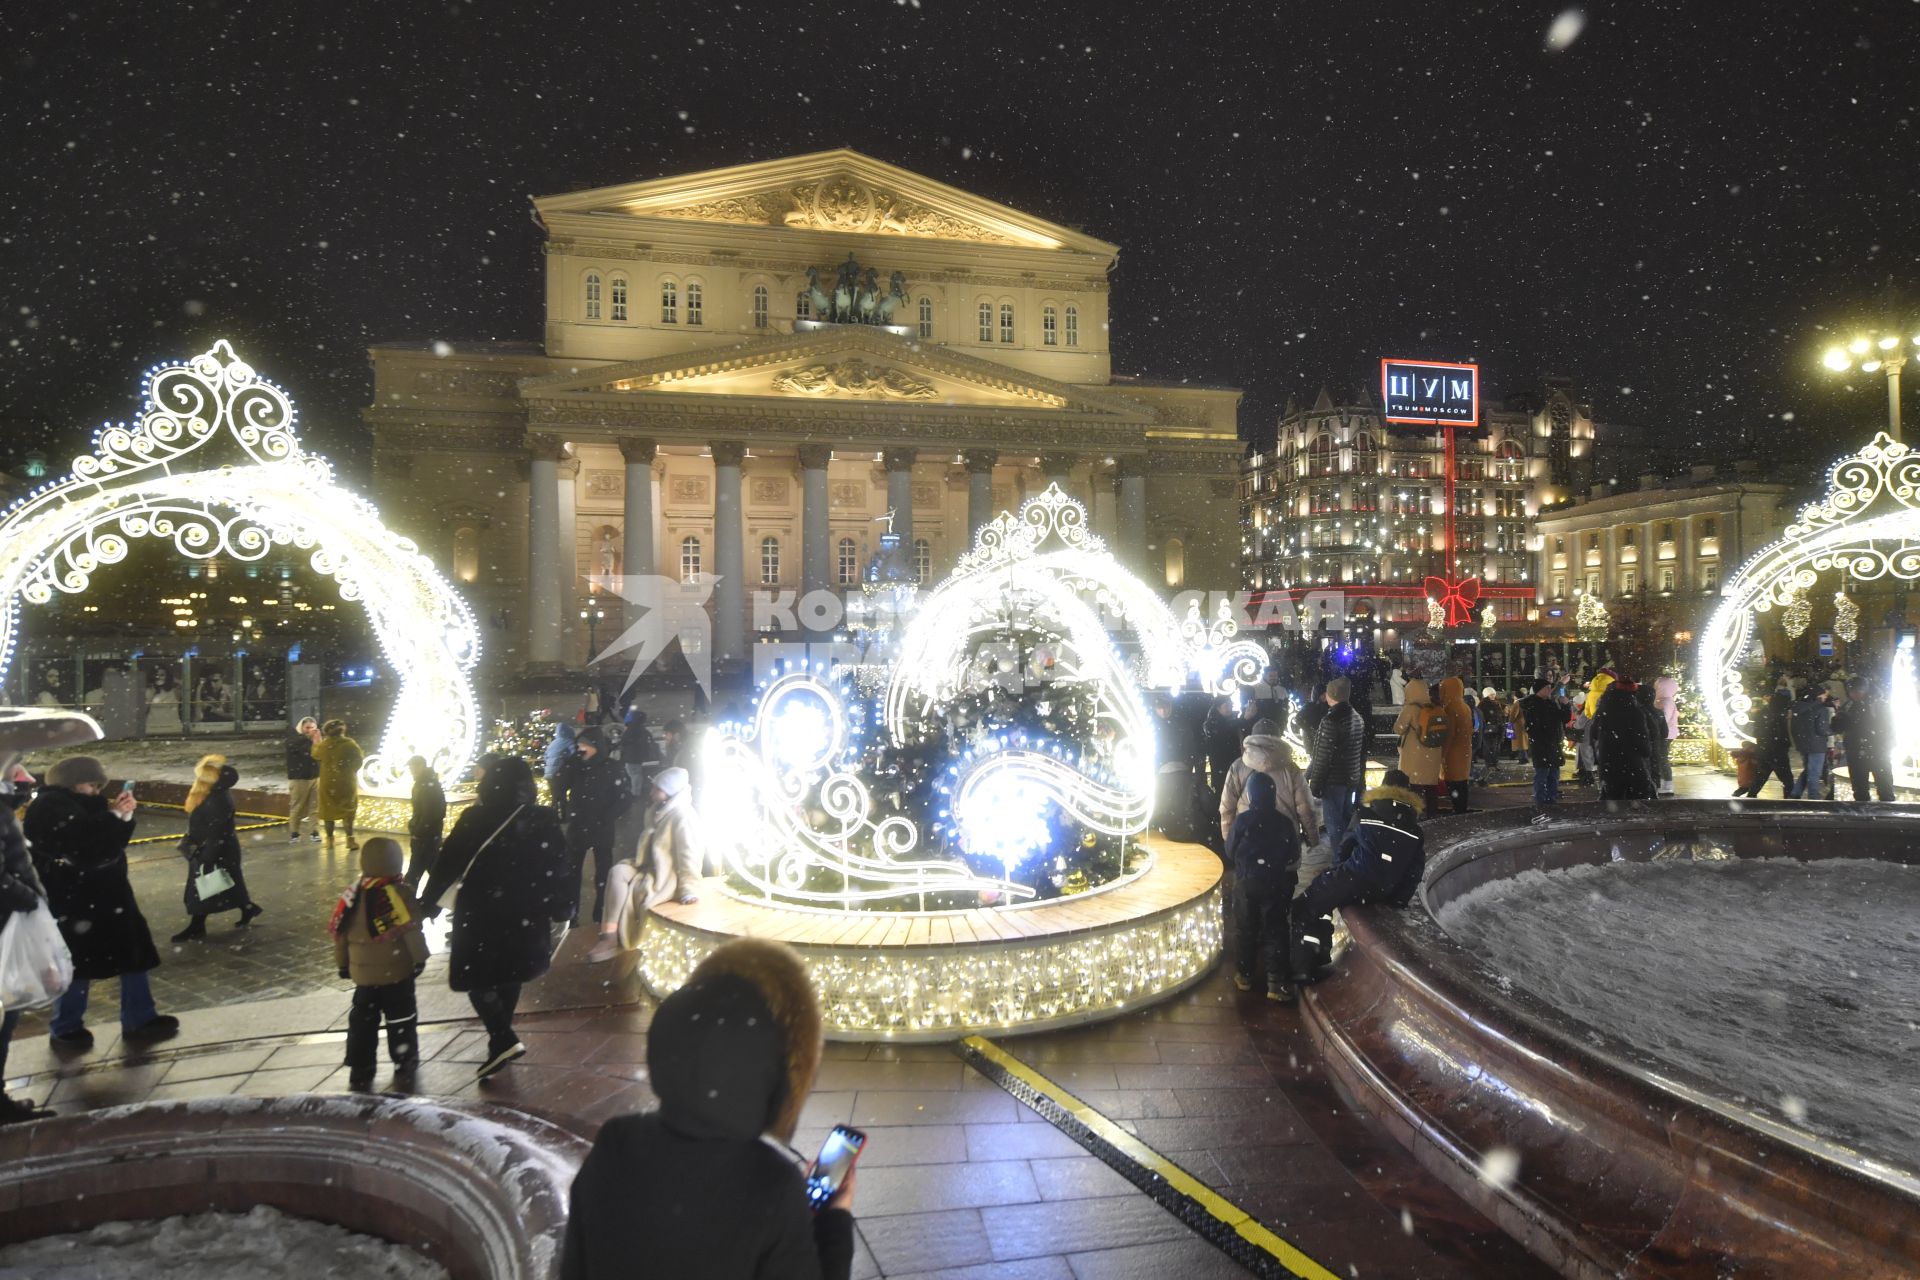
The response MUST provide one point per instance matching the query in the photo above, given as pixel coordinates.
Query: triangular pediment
(840, 363)
(834, 191)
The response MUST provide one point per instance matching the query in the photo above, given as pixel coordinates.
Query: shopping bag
(35, 967)
(211, 883)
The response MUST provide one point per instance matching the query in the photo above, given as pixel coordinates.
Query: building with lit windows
(1675, 539)
(1338, 499)
(744, 371)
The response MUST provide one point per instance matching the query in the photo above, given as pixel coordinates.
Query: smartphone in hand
(834, 1165)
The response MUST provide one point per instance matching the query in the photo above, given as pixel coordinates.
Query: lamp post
(593, 618)
(1873, 353)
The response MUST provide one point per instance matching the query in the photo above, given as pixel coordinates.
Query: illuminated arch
(215, 466)
(1867, 525)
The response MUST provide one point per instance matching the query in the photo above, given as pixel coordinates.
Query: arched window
(1073, 325)
(593, 295)
(617, 293)
(759, 306)
(926, 317)
(1366, 458)
(1049, 327)
(689, 558)
(466, 553)
(696, 303)
(1321, 455)
(1510, 463)
(769, 561)
(669, 302)
(1176, 562)
(986, 322)
(849, 562)
(1006, 322)
(802, 306)
(922, 560)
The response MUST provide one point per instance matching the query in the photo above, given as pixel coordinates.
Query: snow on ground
(258, 1245)
(1794, 985)
(262, 761)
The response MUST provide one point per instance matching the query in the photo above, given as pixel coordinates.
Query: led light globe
(1889, 342)
(1860, 346)
(1839, 361)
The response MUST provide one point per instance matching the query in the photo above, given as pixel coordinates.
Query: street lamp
(1872, 353)
(593, 618)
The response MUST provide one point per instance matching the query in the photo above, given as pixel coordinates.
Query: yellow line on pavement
(1231, 1215)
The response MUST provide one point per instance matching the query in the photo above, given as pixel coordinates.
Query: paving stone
(1188, 1259)
(924, 1188)
(925, 1241)
(1036, 1230)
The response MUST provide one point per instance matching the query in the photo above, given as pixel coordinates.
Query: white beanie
(671, 782)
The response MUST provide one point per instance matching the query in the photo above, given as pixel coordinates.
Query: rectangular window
(696, 303)
(669, 303)
(1593, 584)
(1709, 528)
(802, 307)
(1666, 531)
(593, 297)
(1710, 578)
(986, 322)
(759, 306)
(1626, 582)
(849, 561)
(1559, 588)
(618, 288)
(1666, 579)
(1073, 326)
(1049, 327)
(926, 317)
(1006, 322)
(1560, 546)
(1632, 537)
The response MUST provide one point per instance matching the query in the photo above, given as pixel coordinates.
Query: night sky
(1669, 209)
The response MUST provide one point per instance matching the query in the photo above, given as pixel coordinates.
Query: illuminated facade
(1660, 539)
(1338, 499)
(743, 370)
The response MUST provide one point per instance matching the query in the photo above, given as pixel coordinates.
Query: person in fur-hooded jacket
(1265, 751)
(704, 1185)
(212, 843)
(1382, 860)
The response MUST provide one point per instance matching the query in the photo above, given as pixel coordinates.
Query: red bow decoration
(1456, 597)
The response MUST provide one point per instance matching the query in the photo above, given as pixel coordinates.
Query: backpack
(1432, 727)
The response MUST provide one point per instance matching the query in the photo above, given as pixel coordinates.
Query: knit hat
(76, 770)
(1264, 728)
(671, 782)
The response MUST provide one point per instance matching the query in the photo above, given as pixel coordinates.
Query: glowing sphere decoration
(214, 466)
(1007, 756)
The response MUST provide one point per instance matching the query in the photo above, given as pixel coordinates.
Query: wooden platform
(941, 975)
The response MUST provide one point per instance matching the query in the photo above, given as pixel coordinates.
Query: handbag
(35, 966)
(211, 883)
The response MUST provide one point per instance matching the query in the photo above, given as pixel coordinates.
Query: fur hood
(1452, 690)
(205, 775)
(1395, 795)
(1263, 754)
(732, 1054)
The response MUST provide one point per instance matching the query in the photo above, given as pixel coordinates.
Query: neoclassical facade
(744, 371)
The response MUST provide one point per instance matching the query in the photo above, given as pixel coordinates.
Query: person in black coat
(1623, 744)
(1263, 848)
(591, 788)
(701, 1186)
(1224, 730)
(1773, 739)
(19, 892)
(1382, 860)
(426, 822)
(1862, 725)
(1546, 722)
(79, 844)
(1338, 770)
(213, 844)
(509, 856)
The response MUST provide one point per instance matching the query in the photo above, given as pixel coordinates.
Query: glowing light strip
(136, 484)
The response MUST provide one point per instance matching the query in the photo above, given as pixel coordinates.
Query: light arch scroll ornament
(1866, 526)
(214, 465)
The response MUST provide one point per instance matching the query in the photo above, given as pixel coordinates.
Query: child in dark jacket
(1382, 860)
(378, 943)
(1263, 848)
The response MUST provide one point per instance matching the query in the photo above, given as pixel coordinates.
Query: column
(899, 463)
(637, 557)
(1100, 498)
(545, 585)
(729, 559)
(1058, 468)
(572, 590)
(1132, 542)
(1684, 577)
(816, 564)
(980, 464)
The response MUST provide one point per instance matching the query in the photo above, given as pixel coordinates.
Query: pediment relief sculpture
(840, 202)
(853, 377)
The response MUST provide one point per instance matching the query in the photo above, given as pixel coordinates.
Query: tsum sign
(1429, 394)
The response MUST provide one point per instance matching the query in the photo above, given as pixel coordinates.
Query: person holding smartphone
(704, 1186)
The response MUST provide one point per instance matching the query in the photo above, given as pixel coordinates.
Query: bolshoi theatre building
(745, 371)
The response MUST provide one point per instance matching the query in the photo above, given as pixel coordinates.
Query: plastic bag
(35, 967)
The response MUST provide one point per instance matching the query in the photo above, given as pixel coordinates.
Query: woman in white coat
(671, 856)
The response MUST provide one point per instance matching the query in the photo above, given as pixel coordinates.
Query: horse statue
(896, 299)
(819, 305)
(846, 290)
(869, 296)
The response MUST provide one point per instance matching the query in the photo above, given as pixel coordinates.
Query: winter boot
(196, 929)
